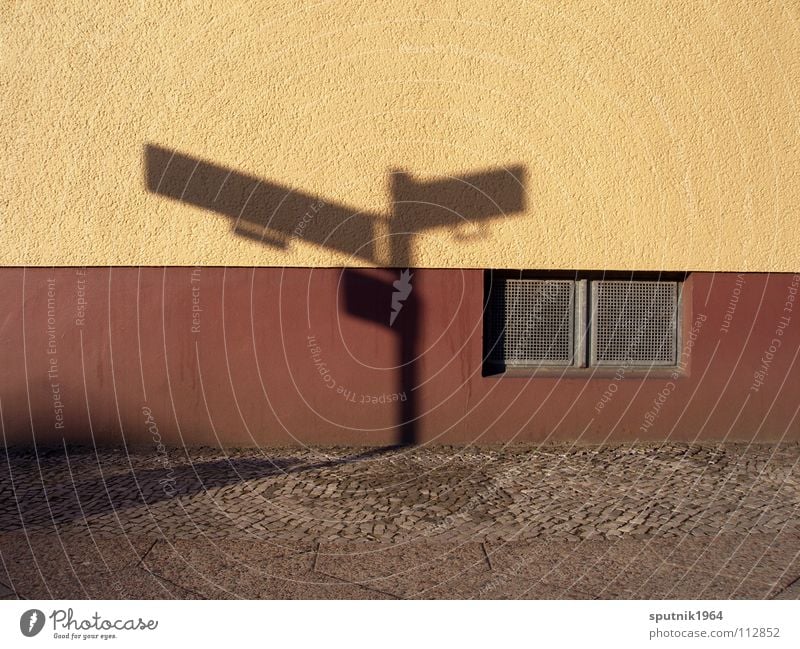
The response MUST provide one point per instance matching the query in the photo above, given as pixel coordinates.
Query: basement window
(581, 320)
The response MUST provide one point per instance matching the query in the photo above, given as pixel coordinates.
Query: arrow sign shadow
(275, 215)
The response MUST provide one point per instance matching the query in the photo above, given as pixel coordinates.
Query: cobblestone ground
(526, 519)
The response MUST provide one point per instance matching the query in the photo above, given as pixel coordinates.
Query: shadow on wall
(275, 215)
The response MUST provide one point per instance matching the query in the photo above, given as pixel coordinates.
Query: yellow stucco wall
(657, 135)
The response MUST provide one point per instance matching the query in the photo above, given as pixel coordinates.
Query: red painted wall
(267, 356)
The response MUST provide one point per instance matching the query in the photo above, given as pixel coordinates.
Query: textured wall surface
(277, 356)
(641, 135)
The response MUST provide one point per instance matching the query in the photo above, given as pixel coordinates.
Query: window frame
(584, 331)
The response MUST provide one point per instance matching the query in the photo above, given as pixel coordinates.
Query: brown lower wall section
(268, 356)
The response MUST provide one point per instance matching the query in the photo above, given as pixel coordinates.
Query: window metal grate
(532, 322)
(634, 322)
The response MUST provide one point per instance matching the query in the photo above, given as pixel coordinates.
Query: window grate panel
(532, 322)
(634, 322)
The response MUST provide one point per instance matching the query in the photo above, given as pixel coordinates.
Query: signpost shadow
(275, 215)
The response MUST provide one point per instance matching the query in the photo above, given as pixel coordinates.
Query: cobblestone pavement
(624, 521)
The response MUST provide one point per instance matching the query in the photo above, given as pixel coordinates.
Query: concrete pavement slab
(6, 592)
(671, 582)
(409, 570)
(248, 569)
(42, 564)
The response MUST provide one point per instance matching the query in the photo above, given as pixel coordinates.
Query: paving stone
(587, 487)
(693, 503)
